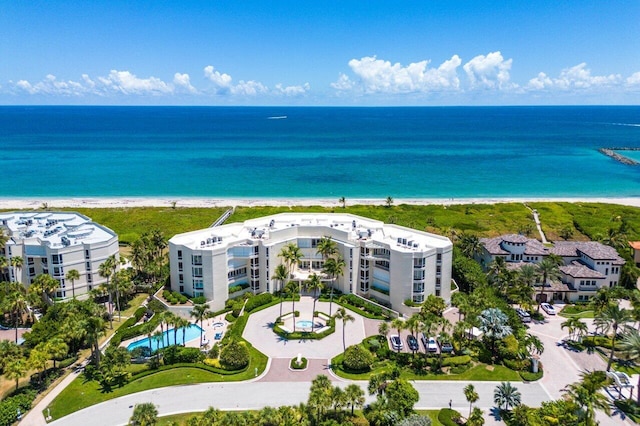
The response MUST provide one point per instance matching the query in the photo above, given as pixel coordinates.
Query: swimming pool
(191, 332)
(304, 324)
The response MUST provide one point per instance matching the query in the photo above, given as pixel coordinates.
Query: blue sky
(427, 52)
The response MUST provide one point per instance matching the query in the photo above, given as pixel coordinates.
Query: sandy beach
(127, 202)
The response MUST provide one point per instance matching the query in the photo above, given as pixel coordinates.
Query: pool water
(191, 332)
(304, 324)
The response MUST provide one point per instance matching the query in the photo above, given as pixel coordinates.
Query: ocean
(317, 152)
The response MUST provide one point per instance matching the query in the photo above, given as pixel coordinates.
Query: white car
(432, 345)
(396, 343)
(548, 308)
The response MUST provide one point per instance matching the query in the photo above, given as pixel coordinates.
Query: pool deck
(210, 328)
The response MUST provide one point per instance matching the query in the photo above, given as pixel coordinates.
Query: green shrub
(456, 360)
(259, 300)
(230, 317)
(237, 288)
(9, 407)
(357, 359)
(199, 300)
(448, 417)
(156, 306)
(294, 363)
(234, 356)
(459, 369)
(516, 364)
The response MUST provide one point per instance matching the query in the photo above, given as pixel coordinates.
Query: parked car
(396, 343)
(430, 344)
(412, 343)
(446, 347)
(548, 308)
(524, 315)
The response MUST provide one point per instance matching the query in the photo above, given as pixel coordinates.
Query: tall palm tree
(611, 319)
(200, 312)
(630, 347)
(292, 254)
(471, 395)
(494, 326)
(73, 275)
(326, 247)
(345, 317)
(389, 201)
(94, 327)
(145, 414)
(105, 270)
(15, 369)
(293, 287)
(343, 201)
(16, 303)
(587, 395)
(413, 325)
(506, 395)
(383, 329)
(44, 285)
(180, 323)
(476, 418)
(17, 262)
(280, 274)
(550, 271)
(355, 396)
(399, 325)
(334, 268)
(315, 286)
(470, 245)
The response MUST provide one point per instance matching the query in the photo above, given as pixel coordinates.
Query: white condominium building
(54, 243)
(388, 263)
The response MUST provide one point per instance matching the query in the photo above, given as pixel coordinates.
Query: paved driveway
(259, 332)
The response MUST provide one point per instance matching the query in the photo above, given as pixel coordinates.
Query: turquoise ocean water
(316, 152)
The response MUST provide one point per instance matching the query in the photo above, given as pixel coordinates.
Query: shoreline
(203, 202)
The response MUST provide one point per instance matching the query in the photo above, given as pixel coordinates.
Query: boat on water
(277, 117)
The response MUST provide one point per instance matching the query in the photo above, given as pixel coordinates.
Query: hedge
(456, 360)
(295, 366)
(357, 359)
(237, 288)
(149, 372)
(446, 416)
(9, 407)
(125, 332)
(256, 301)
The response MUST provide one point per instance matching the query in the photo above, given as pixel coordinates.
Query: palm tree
(572, 325)
(343, 201)
(200, 312)
(168, 318)
(293, 287)
(180, 323)
(493, 323)
(73, 275)
(383, 329)
(16, 303)
(315, 285)
(280, 274)
(94, 327)
(399, 325)
(550, 271)
(17, 262)
(470, 245)
(610, 319)
(413, 324)
(389, 202)
(145, 414)
(471, 395)
(15, 369)
(534, 348)
(506, 395)
(326, 247)
(105, 270)
(343, 315)
(45, 285)
(587, 395)
(476, 418)
(354, 396)
(291, 254)
(334, 267)
(630, 347)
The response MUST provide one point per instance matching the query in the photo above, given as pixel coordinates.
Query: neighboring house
(588, 266)
(635, 246)
(388, 263)
(54, 243)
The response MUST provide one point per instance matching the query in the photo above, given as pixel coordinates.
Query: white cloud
(221, 81)
(127, 83)
(249, 88)
(380, 76)
(183, 82)
(50, 85)
(292, 90)
(576, 78)
(633, 79)
(491, 71)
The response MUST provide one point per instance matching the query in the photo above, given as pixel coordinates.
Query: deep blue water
(316, 152)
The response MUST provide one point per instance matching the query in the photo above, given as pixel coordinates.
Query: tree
(38, 358)
(293, 287)
(389, 202)
(476, 418)
(291, 254)
(105, 270)
(200, 313)
(343, 201)
(44, 285)
(320, 396)
(15, 369)
(433, 305)
(630, 347)
(610, 319)
(506, 395)
(57, 349)
(566, 232)
(73, 275)
(315, 285)
(493, 324)
(94, 327)
(587, 395)
(401, 397)
(549, 269)
(179, 323)
(145, 414)
(471, 395)
(17, 262)
(354, 396)
(16, 303)
(399, 325)
(333, 267)
(572, 325)
(383, 329)
(345, 317)
(280, 274)
(470, 245)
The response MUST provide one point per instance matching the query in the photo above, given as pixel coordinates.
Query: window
(438, 269)
(180, 266)
(418, 287)
(438, 293)
(89, 280)
(196, 259)
(179, 254)
(56, 259)
(419, 263)
(418, 275)
(439, 257)
(181, 278)
(86, 254)
(57, 270)
(256, 250)
(198, 284)
(267, 252)
(438, 280)
(181, 289)
(240, 272)
(196, 272)
(198, 294)
(45, 261)
(418, 298)
(88, 266)
(30, 260)
(32, 271)
(62, 284)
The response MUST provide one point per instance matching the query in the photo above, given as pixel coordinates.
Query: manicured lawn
(180, 419)
(433, 415)
(578, 311)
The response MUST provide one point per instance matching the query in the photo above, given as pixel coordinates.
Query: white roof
(56, 229)
(354, 228)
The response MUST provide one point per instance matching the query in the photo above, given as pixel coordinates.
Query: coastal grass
(432, 414)
(586, 220)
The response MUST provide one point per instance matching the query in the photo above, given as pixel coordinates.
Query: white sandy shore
(114, 202)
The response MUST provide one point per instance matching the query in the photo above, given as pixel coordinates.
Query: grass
(433, 415)
(577, 311)
(179, 419)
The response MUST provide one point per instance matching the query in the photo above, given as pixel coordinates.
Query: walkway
(536, 219)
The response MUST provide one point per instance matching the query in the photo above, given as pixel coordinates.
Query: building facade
(388, 263)
(54, 243)
(588, 265)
